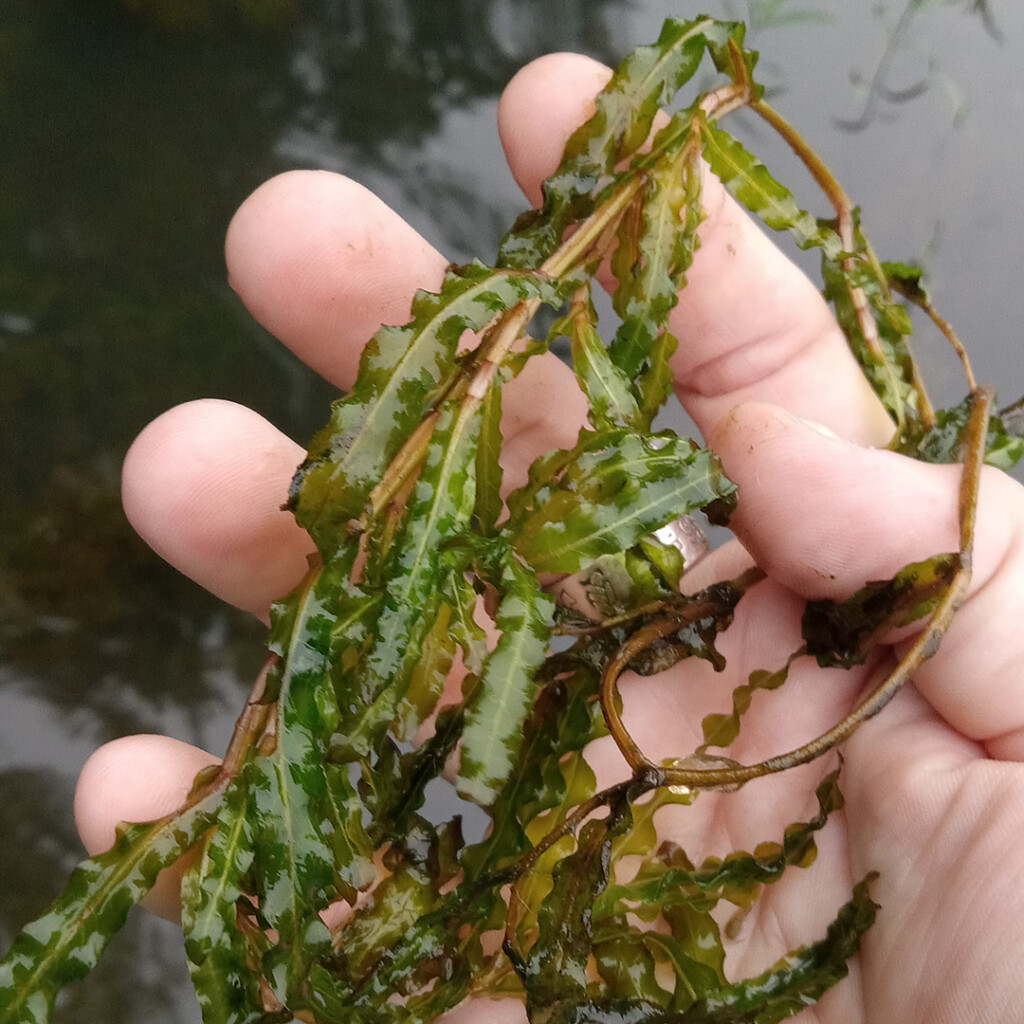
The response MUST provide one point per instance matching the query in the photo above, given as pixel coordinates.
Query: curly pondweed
(320, 798)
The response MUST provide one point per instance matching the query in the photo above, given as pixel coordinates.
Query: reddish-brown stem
(844, 211)
(923, 647)
(922, 302)
(676, 617)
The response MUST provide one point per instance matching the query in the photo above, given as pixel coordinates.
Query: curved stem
(639, 641)
(841, 203)
(924, 647)
(919, 299)
(704, 605)
(975, 437)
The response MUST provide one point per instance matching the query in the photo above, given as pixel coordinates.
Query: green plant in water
(320, 797)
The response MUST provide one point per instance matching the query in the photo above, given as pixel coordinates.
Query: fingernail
(820, 428)
(785, 416)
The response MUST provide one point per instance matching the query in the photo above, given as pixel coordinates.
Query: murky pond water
(130, 132)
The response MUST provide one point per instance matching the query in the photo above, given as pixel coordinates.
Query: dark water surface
(128, 136)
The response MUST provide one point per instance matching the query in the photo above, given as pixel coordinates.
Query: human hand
(930, 784)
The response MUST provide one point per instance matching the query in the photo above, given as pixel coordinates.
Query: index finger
(751, 326)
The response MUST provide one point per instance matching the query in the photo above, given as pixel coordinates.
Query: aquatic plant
(568, 900)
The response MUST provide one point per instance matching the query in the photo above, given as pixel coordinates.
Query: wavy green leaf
(646, 81)
(489, 473)
(619, 487)
(944, 443)
(656, 379)
(693, 950)
(441, 507)
(399, 373)
(671, 879)
(654, 252)
(398, 902)
(502, 699)
(307, 851)
(293, 869)
(554, 971)
(563, 720)
(427, 678)
(889, 366)
(625, 962)
(465, 630)
(64, 943)
(754, 186)
(796, 981)
(226, 984)
(720, 730)
(609, 395)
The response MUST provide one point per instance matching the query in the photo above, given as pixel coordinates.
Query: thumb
(823, 516)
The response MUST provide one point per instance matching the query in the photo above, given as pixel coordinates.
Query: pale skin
(934, 786)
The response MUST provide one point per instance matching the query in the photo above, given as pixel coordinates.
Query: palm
(921, 800)
(321, 263)
(937, 820)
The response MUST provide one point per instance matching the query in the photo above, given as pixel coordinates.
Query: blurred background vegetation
(130, 130)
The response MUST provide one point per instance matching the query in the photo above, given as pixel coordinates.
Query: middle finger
(321, 262)
(751, 325)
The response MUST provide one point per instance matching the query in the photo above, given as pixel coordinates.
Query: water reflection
(405, 64)
(130, 130)
(879, 86)
(128, 139)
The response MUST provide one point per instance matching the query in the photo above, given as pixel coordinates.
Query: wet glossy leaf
(605, 384)
(294, 873)
(796, 981)
(398, 902)
(441, 507)
(666, 559)
(226, 983)
(394, 790)
(889, 367)
(944, 443)
(643, 83)
(305, 819)
(502, 699)
(753, 185)
(427, 679)
(656, 378)
(65, 943)
(672, 880)
(489, 474)
(619, 486)
(400, 371)
(554, 971)
(655, 249)
(465, 630)
(563, 720)
(623, 959)
(693, 949)
(907, 278)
